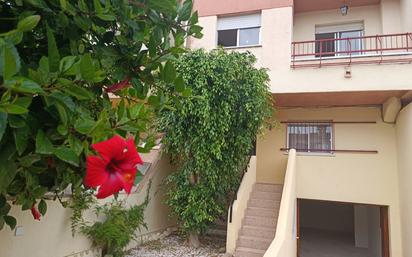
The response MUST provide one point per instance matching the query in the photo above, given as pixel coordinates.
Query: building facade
(341, 76)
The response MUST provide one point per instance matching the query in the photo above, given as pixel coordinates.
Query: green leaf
(23, 85)
(3, 123)
(28, 23)
(1, 223)
(28, 160)
(185, 10)
(154, 100)
(43, 144)
(8, 169)
(75, 144)
(62, 113)
(87, 67)
(11, 221)
(141, 90)
(164, 6)
(13, 109)
(107, 17)
(66, 63)
(98, 6)
(67, 155)
(62, 129)
(53, 51)
(9, 60)
(63, 4)
(187, 92)
(16, 121)
(23, 101)
(179, 84)
(169, 72)
(84, 125)
(21, 138)
(42, 207)
(79, 92)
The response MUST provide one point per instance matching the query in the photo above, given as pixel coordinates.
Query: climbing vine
(208, 136)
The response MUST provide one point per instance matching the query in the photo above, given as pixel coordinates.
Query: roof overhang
(337, 99)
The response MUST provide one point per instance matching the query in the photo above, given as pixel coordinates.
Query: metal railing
(345, 51)
(237, 190)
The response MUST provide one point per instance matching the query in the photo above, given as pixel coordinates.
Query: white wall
(404, 149)
(346, 177)
(51, 237)
(406, 17)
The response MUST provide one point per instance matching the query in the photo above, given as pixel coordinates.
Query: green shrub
(59, 60)
(209, 136)
(117, 229)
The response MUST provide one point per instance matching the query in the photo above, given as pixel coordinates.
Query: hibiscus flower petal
(112, 148)
(127, 178)
(112, 186)
(96, 173)
(132, 155)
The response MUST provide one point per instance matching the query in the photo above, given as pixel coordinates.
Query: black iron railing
(237, 190)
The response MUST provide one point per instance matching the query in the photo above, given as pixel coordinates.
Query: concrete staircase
(259, 224)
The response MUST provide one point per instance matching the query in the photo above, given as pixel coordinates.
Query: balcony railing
(390, 48)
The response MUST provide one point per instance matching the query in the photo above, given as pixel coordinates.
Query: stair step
(268, 204)
(262, 212)
(262, 187)
(255, 231)
(259, 221)
(254, 242)
(266, 195)
(249, 252)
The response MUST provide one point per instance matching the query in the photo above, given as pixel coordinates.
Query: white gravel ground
(174, 246)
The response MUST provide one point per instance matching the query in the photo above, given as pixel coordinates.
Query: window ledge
(319, 154)
(241, 47)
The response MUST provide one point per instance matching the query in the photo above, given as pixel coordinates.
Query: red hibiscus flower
(115, 167)
(36, 214)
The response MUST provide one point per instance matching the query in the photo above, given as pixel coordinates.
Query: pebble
(174, 246)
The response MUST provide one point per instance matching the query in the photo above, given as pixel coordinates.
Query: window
(310, 137)
(335, 40)
(238, 31)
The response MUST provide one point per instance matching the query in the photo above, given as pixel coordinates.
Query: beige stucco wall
(280, 26)
(304, 23)
(404, 145)
(51, 237)
(406, 17)
(240, 206)
(346, 177)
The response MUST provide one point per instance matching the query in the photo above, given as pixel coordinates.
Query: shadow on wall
(52, 237)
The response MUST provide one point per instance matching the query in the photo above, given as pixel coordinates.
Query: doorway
(336, 229)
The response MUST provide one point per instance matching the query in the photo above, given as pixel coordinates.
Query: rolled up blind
(239, 22)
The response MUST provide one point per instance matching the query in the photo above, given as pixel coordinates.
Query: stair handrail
(237, 190)
(284, 243)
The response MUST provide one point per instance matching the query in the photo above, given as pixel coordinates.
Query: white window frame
(312, 123)
(337, 29)
(238, 23)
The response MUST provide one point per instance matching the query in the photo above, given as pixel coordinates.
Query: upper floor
(317, 45)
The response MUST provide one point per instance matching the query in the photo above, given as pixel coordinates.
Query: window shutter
(238, 22)
(339, 27)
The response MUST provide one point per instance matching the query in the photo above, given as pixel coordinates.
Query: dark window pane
(326, 47)
(227, 37)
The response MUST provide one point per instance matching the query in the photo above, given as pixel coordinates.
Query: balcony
(377, 49)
